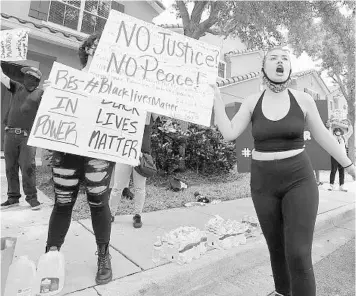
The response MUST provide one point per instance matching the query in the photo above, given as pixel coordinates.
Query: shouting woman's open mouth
(280, 69)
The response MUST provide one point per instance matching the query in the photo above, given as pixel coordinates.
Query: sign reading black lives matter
(71, 119)
(155, 69)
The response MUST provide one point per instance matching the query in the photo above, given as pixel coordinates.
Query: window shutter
(117, 6)
(39, 9)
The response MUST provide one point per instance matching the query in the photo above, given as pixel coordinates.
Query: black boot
(104, 274)
(53, 248)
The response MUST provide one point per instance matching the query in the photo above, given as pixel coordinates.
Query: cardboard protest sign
(72, 120)
(14, 44)
(156, 69)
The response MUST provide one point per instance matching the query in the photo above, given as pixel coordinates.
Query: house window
(83, 16)
(222, 69)
(94, 16)
(65, 13)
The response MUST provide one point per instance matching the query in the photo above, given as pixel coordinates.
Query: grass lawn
(158, 196)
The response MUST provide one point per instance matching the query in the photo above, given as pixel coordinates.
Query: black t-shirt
(23, 106)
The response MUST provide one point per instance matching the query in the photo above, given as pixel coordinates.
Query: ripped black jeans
(68, 171)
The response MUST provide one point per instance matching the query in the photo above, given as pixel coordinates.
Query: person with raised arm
(283, 188)
(18, 122)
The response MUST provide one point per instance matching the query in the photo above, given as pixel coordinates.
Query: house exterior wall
(239, 91)
(246, 63)
(310, 82)
(20, 10)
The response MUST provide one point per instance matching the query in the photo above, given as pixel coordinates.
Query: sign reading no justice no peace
(155, 69)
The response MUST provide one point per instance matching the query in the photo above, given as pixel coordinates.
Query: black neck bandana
(276, 86)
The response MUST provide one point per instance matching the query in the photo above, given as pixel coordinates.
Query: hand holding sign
(14, 44)
(46, 84)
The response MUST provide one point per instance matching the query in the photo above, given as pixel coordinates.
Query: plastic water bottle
(172, 252)
(157, 251)
(21, 277)
(50, 274)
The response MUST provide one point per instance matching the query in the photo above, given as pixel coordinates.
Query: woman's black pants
(286, 200)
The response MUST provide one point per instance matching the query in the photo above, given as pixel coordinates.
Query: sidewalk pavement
(133, 271)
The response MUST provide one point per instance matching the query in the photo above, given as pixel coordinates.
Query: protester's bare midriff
(257, 155)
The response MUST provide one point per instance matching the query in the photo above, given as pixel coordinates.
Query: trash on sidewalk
(254, 228)
(186, 243)
(201, 198)
(194, 204)
(21, 277)
(176, 184)
(180, 245)
(225, 234)
(8, 245)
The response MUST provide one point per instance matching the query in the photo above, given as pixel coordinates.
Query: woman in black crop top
(283, 186)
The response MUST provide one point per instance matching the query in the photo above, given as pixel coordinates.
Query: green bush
(206, 151)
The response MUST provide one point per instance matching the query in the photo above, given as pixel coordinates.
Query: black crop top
(280, 135)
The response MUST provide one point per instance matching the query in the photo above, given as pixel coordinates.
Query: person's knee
(140, 191)
(98, 171)
(12, 173)
(299, 258)
(98, 200)
(65, 201)
(97, 176)
(98, 179)
(29, 170)
(65, 186)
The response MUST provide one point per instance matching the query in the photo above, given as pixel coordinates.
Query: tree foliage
(331, 40)
(320, 28)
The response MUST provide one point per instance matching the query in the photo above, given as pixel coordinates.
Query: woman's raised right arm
(230, 129)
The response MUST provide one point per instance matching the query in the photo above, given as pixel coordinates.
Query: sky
(302, 63)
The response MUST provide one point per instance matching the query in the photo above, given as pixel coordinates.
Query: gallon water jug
(21, 277)
(50, 274)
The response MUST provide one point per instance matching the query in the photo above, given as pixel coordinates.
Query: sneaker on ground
(342, 188)
(331, 187)
(35, 204)
(9, 203)
(137, 223)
